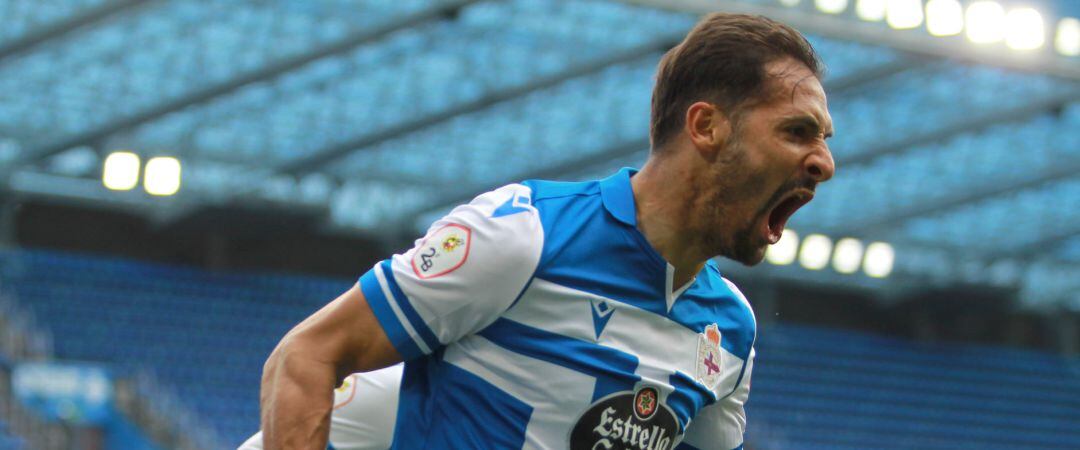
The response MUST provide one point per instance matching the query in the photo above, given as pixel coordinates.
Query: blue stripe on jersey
(590, 250)
(450, 408)
(403, 302)
(688, 397)
(613, 369)
(685, 446)
(401, 339)
(710, 300)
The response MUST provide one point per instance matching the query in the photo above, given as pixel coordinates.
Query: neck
(663, 211)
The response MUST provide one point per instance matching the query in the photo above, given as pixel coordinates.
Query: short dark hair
(722, 60)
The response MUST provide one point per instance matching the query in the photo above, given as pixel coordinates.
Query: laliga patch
(709, 358)
(627, 420)
(345, 393)
(442, 252)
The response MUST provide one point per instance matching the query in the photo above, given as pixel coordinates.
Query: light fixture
(879, 260)
(1025, 29)
(831, 6)
(870, 10)
(903, 14)
(814, 252)
(783, 251)
(1067, 40)
(985, 22)
(944, 17)
(121, 171)
(162, 176)
(848, 255)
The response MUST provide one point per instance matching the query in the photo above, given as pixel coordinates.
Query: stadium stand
(208, 333)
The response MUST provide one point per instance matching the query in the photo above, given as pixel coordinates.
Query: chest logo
(627, 420)
(442, 252)
(709, 358)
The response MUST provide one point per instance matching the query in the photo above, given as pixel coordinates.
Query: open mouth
(784, 210)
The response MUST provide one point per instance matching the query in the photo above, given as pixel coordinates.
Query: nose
(820, 165)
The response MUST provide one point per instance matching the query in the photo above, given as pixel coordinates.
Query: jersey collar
(618, 197)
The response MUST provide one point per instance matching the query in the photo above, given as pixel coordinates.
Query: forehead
(795, 90)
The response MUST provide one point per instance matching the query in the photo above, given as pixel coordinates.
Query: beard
(729, 215)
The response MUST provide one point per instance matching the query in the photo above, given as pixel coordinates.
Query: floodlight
(162, 176)
(879, 260)
(870, 10)
(903, 14)
(815, 251)
(121, 171)
(1067, 40)
(831, 6)
(944, 17)
(783, 251)
(985, 22)
(848, 255)
(1025, 30)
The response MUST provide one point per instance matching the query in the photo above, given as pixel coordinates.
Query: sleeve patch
(442, 252)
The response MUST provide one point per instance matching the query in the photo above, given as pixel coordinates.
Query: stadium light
(944, 17)
(162, 176)
(815, 251)
(870, 10)
(1067, 40)
(783, 251)
(1025, 31)
(879, 260)
(831, 6)
(903, 14)
(985, 22)
(121, 171)
(789, 3)
(848, 255)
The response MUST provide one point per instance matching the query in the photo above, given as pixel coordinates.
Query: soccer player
(587, 315)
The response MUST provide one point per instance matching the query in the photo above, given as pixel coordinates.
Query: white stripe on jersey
(658, 342)
(393, 301)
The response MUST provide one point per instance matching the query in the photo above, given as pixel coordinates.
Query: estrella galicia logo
(626, 420)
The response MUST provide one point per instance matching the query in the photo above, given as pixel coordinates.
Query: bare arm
(299, 377)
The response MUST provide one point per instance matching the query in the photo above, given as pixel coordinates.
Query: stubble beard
(724, 235)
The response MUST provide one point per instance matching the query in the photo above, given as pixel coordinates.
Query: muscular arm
(299, 377)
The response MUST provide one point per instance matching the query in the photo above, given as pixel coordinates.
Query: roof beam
(319, 158)
(849, 28)
(437, 12)
(897, 217)
(66, 26)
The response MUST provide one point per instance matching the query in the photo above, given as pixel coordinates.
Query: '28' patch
(442, 252)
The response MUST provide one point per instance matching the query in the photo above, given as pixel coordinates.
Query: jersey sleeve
(722, 424)
(466, 271)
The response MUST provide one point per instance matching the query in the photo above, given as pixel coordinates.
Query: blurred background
(181, 181)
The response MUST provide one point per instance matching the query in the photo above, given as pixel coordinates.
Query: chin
(747, 255)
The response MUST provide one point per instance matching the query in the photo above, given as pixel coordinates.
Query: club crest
(709, 357)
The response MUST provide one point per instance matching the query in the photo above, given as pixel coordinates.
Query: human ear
(708, 128)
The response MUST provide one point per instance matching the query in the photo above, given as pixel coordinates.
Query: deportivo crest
(709, 358)
(442, 252)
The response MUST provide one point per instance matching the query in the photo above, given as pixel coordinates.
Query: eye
(800, 131)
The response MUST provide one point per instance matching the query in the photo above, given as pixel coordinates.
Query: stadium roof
(383, 114)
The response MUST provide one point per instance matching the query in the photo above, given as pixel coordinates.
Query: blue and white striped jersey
(538, 316)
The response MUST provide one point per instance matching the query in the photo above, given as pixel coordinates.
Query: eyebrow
(809, 121)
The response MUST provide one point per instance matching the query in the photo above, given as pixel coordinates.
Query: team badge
(709, 358)
(442, 252)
